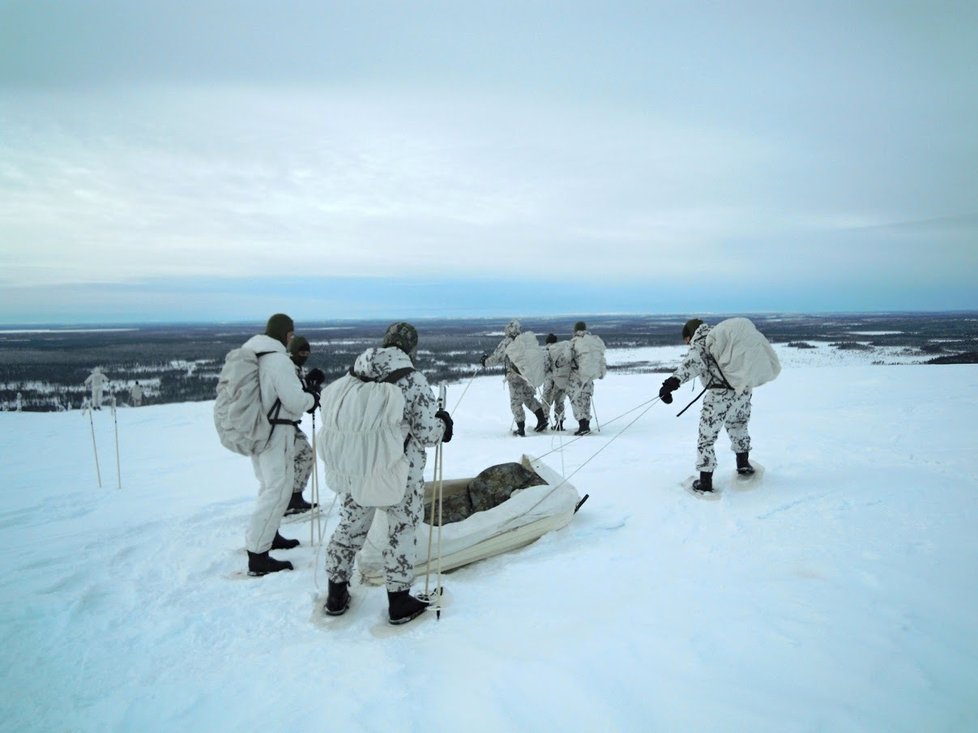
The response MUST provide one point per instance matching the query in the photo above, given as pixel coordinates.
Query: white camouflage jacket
(277, 379)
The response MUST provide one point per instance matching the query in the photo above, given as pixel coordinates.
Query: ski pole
(467, 385)
(315, 526)
(594, 410)
(437, 496)
(115, 423)
(98, 471)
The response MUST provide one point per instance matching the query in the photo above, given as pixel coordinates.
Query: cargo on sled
(503, 508)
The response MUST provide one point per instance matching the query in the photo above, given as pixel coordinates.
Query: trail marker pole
(115, 422)
(98, 471)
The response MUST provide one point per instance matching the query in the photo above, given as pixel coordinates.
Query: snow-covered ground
(840, 594)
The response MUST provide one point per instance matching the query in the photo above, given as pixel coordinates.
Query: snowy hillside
(840, 594)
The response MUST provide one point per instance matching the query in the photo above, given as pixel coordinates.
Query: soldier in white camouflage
(579, 389)
(520, 391)
(722, 407)
(555, 385)
(299, 351)
(427, 426)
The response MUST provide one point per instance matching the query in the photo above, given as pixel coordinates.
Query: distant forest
(44, 368)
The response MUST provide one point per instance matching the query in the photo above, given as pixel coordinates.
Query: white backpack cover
(529, 358)
(745, 357)
(561, 358)
(362, 439)
(241, 423)
(589, 354)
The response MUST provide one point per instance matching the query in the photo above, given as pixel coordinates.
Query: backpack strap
(395, 375)
(389, 379)
(276, 408)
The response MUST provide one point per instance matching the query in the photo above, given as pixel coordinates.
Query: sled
(520, 520)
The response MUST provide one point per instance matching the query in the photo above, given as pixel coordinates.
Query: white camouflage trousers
(553, 398)
(581, 392)
(274, 468)
(722, 408)
(401, 549)
(303, 462)
(521, 393)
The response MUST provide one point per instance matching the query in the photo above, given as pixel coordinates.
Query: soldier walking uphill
(722, 406)
(520, 391)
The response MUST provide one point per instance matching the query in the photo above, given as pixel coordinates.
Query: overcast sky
(230, 159)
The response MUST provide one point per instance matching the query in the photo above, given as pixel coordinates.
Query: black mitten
(449, 424)
(668, 387)
(316, 378)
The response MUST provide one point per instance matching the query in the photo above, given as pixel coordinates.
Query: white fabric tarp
(527, 515)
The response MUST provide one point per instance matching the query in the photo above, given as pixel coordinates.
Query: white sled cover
(745, 357)
(529, 358)
(239, 418)
(523, 518)
(589, 355)
(361, 441)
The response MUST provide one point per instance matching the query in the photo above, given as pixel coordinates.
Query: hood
(375, 364)
(513, 328)
(261, 343)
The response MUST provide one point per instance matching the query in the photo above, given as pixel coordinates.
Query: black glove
(668, 387)
(316, 378)
(449, 424)
(483, 359)
(315, 396)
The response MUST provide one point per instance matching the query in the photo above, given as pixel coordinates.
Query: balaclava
(296, 345)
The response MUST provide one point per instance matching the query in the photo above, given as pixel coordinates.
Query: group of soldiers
(564, 380)
(284, 465)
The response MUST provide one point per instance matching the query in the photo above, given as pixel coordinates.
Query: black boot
(520, 429)
(743, 465)
(402, 607)
(705, 482)
(541, 420)
(280, 543)
(583, 427)
(337, 599)
(259, 563)
(297, 505)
